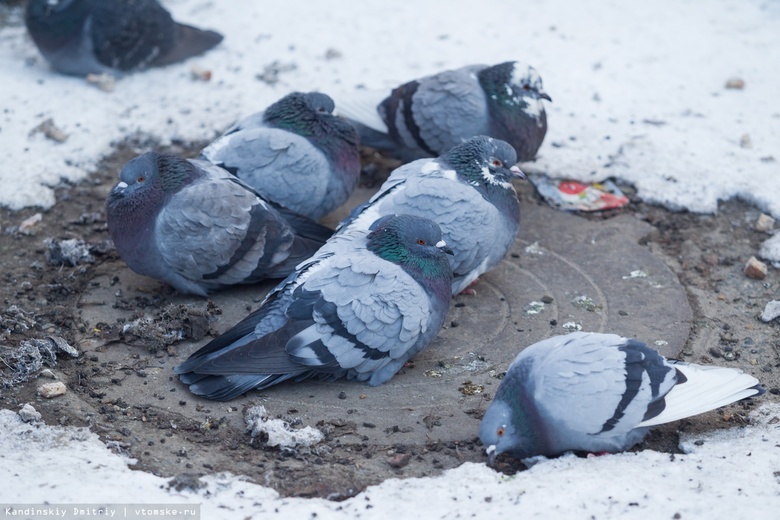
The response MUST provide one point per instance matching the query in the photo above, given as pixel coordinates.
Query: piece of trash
(765, 223)
(660, 343)
(735, 83)
(469, 388)
(570, 195)
(50, 130)
(636, 274)
(572, 326)
(755, 268)
(534, 307)
(51, 390)
(586, 303)
(200, 74)
(271, 72)
(771, 311)
(276, 432)
(70, 252)
(534, 249)
(105, 82)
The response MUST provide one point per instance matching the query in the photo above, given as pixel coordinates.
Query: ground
(121, 385)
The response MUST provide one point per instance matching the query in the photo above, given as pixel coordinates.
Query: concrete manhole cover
(565, 273)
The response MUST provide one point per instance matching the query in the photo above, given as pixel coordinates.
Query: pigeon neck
(335, 137)
(530, 436)
(495, 190)
(132, 223)
(432, 272)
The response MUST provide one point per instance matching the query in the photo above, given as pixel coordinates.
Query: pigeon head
(148, 180)
(484, 162)
(52, 23)
(311, 115)
(415, 244)
(513, 83)
(504, 428)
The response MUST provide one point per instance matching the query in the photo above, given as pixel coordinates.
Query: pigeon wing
(604, 387)
(449, 107)
(127, 35)
(285, 167)
(218, 233)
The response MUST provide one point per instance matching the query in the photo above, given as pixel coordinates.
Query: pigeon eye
(526, 87)
(421, 241)
(497, 163)
(141, 178)
(500, 432)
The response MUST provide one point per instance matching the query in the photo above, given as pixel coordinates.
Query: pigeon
(468, 192)
(360, 308)
(199, 228)
(296, 153)
(599, 393)
(81, 37)
(428, 116)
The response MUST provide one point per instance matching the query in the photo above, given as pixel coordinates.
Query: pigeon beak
(517, 173)
(491, 453)
(441, 244)
(545, 95)
(121, 185)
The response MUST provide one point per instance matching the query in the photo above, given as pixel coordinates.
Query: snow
(639, 92)
(639, 89)
(723, 474)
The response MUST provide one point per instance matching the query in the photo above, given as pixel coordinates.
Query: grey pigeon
(599, 393)
(81, 37)
(197, 227)
(296, 153)
(428, 116)
(360, 308)
(467, 191)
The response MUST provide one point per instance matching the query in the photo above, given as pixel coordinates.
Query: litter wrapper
(568, 195)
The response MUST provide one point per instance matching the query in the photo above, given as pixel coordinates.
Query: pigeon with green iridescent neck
(428, 116)
(81, 37)
(599, 393)
(197, 227)
(468, 192)
(366, 303)
(296, 153)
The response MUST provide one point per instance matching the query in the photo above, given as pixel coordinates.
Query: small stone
(200, 74)
(399, 460)
(745, 141)
(105, 82)
(755, 268)
(735, 83)
(50, 390)
(50, 130)
(29, 414)
(342, 395)
(29, 225)
(771, 311)
(332, 54)
(47, 373)
(765, 223)
(547, 299)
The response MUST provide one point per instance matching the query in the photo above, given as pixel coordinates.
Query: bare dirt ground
(121, 385)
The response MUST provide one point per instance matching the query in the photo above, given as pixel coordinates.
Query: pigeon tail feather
(706, 388)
